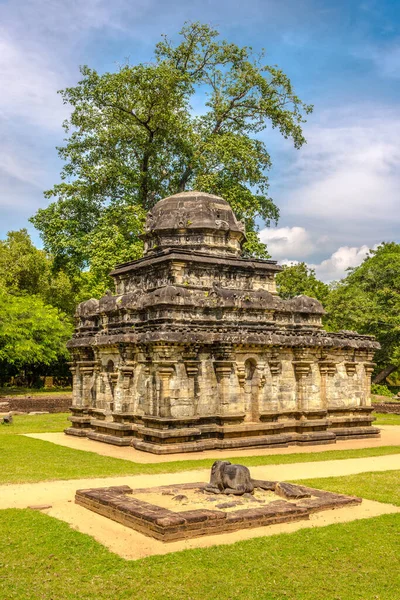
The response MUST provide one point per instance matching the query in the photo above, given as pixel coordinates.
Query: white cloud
(29, 86)
(346, 181)
(335, 267)
(287, 241)
(41, 44)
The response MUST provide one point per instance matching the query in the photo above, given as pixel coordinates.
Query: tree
(368, 301)
(26, 270)
(299, 279)
(133, 138)
(32, 334)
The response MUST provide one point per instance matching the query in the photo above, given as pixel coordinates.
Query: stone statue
(234, 479)
(229, 479)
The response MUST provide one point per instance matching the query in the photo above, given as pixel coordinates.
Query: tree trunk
(384, 373)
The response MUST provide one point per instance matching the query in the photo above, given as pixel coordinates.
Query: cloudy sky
(338, 196)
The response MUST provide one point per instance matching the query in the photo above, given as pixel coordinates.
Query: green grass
(24, 459)
(25, 391)
(386, 419)
(43, 558)
(50, 423)
(383, 486)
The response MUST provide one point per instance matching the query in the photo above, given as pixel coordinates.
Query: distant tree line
(367, 300)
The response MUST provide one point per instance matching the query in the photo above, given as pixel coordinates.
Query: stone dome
(195, 220)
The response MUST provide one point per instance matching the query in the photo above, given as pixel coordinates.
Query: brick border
(167, 525)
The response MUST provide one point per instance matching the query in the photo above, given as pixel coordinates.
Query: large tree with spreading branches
(134, 137)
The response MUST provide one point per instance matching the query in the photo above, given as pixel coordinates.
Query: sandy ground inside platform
(390, 436)
(195, 499)
(130, 544)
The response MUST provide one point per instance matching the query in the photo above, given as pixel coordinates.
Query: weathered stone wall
(58, 404)
(388, 408)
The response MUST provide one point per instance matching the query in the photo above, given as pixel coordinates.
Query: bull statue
(233, 479)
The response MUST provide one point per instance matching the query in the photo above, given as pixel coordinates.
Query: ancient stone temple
(197, 351)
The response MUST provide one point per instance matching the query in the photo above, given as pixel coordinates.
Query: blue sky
(338, 196)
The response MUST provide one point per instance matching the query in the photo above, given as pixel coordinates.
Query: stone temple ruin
(197, 351)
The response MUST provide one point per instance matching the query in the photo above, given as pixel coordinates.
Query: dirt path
(390, 436)
(24, 494)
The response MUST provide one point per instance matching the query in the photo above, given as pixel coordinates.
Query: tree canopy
(299, 279)
(26, 270)
(31, 332)
(368, 301)
(191, 118)
(36, 307)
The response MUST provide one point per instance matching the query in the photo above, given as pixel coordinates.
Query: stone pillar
(86, 370)
(75, 391)
(123, 393)
(366, 396)
(302, 369)
(259, 384)
(165, 371)
(223, 370)
(192, 371)
(326, 368)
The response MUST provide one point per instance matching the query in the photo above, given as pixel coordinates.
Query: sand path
(24, 494)
(390, 436)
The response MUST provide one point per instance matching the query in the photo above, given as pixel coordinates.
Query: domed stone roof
(200, 221)
(192, 210)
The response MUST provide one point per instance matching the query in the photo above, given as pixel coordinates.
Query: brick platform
(118, 504)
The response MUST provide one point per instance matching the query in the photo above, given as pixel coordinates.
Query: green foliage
(133, 138)
(31, 333)
(368, 301)
(37, 303)
(296, 280)
(380, 390)
(25, 270)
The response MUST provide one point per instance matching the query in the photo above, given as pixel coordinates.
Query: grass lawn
(21, 391)
(43, 558)
(50, 423)
(387, 419)
(383, 486)
(25, 459)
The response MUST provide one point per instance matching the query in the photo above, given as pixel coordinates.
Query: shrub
(380, 390)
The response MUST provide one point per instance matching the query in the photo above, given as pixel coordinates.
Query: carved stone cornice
(192, 367)
(351, 368)
(275, 366)
(327, 367)
(223, 369)
(241, 374)
(369, 368)
(302, 368)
